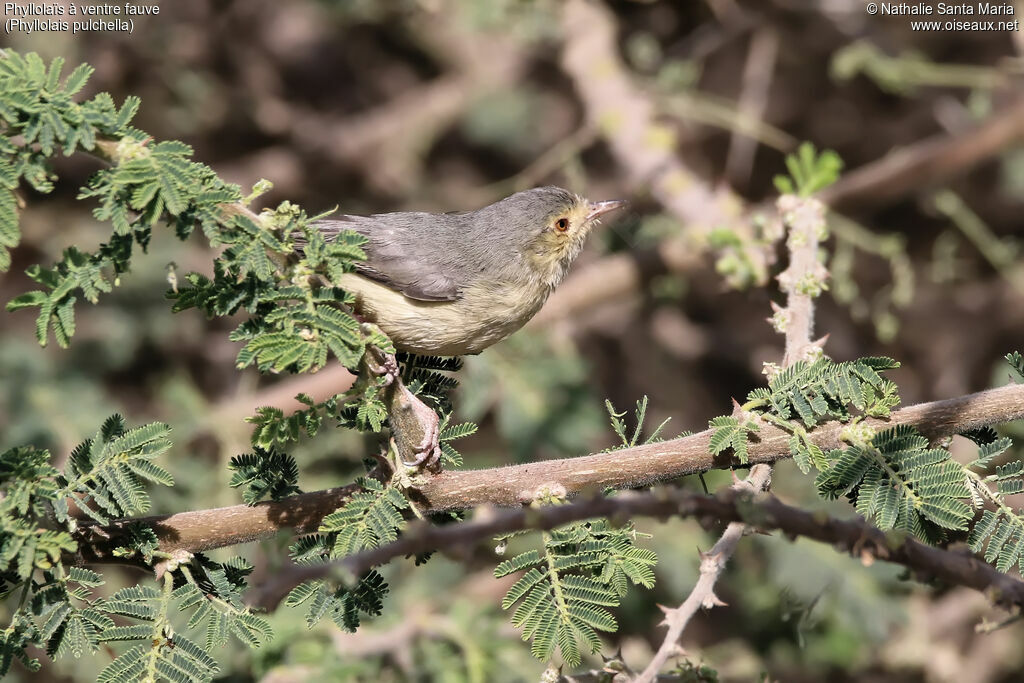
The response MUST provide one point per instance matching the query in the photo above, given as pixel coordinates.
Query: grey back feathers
(433, 257)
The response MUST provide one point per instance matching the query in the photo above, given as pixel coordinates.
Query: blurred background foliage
(443, 105)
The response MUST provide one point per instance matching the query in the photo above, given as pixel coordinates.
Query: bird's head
(554, 224)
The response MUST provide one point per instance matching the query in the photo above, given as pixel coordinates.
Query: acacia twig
(712, 563)
(805, 277)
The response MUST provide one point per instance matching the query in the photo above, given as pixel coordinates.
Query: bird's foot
(382, 364)
(427, 454)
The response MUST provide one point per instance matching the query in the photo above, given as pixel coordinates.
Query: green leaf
(562, 597)
(368, 519)
(213, 596)
(1016, 361)
(809, 172)
(105, 474)
(730, 432)
(263, 473)
(342, 605)
(901, 482)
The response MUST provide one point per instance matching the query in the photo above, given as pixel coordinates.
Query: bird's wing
(398, 257)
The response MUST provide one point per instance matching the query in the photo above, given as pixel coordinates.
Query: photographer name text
(922, 9)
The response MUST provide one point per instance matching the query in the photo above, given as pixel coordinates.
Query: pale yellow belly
(484, 315)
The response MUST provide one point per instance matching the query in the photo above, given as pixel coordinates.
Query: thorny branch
(805, 277)
(736, 505)
(712, 563)
(802, 281)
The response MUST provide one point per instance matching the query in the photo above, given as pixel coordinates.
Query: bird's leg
(407, 414)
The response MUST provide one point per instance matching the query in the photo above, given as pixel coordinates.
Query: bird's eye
(562, 224)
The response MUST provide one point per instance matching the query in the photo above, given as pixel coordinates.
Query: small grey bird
(454, 283)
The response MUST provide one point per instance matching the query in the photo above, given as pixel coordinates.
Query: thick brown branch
(763, 512)
(219, 527)
(648, 464)
(200, 530)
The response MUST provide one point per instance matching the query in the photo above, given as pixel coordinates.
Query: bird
(453, 284)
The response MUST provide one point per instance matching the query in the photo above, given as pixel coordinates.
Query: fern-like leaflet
(449, 456)
(809, 171)
(105, 474)
(619, 425)
(827, 390)
(579, 572)
(369, 518)
(804, 395)
(273, 427)
(28, 484)
(1016, 361)
(999, 532)
(71, 622)
(213, 591)
(900, 482)
(162, 654)
(271, 473)
(342, 604)
(731, 432)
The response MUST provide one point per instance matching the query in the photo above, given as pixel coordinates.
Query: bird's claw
(428, 453)
(383, 365)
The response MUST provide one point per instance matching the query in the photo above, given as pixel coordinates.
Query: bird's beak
(598, 209)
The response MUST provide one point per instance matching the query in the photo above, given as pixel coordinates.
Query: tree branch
(929, 161)
(805, 277)
(638, 466)
(737, 506)
(200, 530)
